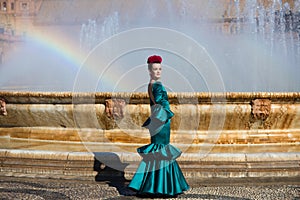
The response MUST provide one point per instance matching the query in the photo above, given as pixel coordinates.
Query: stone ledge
(88, 165)
(142, 97)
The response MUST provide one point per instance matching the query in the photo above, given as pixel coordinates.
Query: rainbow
(68, 48)
(59, 44)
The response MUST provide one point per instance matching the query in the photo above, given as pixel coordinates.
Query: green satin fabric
(159, 173)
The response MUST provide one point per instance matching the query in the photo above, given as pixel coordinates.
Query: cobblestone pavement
(32, 188)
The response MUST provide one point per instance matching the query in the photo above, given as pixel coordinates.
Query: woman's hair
(150, 66)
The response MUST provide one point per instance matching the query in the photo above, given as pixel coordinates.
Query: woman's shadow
(111, 169)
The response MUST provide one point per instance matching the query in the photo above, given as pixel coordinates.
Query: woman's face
(155, 71)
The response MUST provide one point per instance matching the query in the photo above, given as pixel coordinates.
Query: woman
(158, 173)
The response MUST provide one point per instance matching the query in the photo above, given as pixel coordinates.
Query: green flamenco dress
(159, 173)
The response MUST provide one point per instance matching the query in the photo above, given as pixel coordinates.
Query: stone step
(93, 166)
(47, 164)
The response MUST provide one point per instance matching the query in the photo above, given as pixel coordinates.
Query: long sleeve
(159, 94)
(161, 98)
(161, 111)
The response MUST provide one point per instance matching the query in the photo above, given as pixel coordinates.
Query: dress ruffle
(159, 116)
(159, 173)
(167, 181)
(159, 152)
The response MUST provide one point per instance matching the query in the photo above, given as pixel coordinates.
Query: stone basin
(220, 134)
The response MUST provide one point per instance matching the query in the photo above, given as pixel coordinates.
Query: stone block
(80, 156)
(273, 156)
(27, 154)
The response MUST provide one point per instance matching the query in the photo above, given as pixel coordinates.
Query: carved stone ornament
(114, 108)
(260, 108)
(3, 107)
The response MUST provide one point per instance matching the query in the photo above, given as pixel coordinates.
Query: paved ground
(232, 189)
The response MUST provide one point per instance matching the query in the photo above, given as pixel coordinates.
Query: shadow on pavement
(110, 169)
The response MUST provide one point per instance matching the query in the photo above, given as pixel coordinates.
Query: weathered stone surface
(132, 136)
(84, 156)
(114, 108)
(82, 165)
(27, 154)
(66, 135)
(234, 114)
(3, 107)
(260, 108)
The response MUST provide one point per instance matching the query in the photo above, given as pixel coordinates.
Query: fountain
(237, 110)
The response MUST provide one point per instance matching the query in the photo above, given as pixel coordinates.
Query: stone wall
(232, 118)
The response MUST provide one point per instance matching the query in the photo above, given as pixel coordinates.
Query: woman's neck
(154, 80)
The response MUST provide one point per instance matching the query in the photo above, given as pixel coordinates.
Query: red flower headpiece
(154, 59)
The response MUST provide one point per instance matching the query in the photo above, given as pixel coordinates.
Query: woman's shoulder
(156, 84)
(153, 82)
